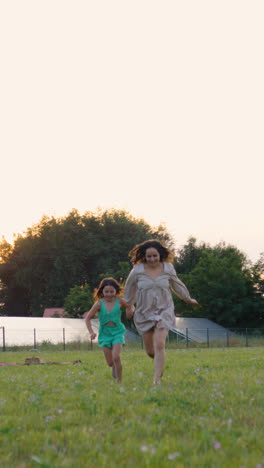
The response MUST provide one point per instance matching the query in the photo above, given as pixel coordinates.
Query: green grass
(209, 411)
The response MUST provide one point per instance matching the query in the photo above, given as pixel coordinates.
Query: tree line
(59, 262)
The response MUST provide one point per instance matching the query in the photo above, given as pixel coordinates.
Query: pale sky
(156, 107)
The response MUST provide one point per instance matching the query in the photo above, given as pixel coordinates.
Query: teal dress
(110, 334)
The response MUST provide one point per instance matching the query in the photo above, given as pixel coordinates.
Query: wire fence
(79, 338)
(215, 338)
(44, 338)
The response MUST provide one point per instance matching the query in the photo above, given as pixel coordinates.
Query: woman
(149, 284)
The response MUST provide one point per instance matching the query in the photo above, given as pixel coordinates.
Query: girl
(149, 284)
(111, 329)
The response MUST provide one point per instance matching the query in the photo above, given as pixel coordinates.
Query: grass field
(209, 411)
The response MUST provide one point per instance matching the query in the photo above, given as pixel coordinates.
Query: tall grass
(209, 411)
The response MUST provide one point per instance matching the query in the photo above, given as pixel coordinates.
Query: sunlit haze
(155, 107)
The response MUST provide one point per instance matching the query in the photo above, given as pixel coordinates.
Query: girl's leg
(108, 356)
(160, 335)
(148, 342)
(117, 348)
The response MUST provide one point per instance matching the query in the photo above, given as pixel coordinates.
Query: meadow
(208, 412)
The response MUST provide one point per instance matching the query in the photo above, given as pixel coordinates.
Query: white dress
(154, 303)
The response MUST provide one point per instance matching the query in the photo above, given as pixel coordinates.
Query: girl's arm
(95, 308)
(130, 309)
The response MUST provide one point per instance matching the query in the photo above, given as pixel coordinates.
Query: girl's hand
(193, 302)
(130, 311)
(92, 336)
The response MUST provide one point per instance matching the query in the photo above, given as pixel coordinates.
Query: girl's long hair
(98, 293)
(138, 253)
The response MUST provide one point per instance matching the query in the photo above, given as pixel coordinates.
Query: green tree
(258, 275)
(55, 255)
(3, 299)
(188, 255)
(119, 274)
(224, 288)
(78, 301)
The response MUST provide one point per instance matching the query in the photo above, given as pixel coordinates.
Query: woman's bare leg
(159, 339)
(148, 342)
(117, 348)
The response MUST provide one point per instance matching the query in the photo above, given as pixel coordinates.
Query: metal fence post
(246, 337)
(63, 334)
(35, 343)
(187, 343)
(208, 338)
(227, 339)
(4, 339)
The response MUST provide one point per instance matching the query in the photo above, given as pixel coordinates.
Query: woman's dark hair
(98, 293)
(138, 253)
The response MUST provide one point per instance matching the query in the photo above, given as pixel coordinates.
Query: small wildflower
(217, 445)
(49, 418)
(172, 456)
(144, 448)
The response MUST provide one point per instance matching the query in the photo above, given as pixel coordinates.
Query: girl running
(111, 329)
